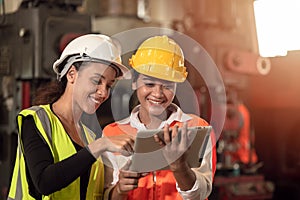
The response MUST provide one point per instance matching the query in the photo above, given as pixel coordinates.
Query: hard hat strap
(85, 58)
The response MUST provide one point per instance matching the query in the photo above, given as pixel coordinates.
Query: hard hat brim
(121, 70)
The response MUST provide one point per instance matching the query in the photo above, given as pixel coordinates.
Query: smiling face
(92, 86)
(154, 95)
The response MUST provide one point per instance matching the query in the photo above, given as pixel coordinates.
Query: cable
(3, 12)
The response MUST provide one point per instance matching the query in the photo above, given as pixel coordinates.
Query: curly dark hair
(51, 92)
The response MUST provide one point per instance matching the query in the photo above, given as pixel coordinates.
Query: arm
(127, 181)
(204, 176)
(118, 180)
(191, 183)
(46, 175)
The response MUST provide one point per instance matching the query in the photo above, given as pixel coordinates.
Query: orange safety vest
(245, 153)
(163, 186)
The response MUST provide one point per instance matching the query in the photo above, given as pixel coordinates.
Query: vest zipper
(154, 185)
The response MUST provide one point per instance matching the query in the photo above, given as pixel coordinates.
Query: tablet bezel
(145, 145)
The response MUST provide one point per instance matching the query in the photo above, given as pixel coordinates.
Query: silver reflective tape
(19, 192)
(42, 114)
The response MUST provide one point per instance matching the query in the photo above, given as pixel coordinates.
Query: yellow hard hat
(160, 57)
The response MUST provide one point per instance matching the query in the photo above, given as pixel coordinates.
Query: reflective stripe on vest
(61, 147)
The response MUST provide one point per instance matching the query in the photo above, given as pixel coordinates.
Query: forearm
(203, 178)
(185, 178)
(46, 175)
(64, 172)
(97, 147)
(116, 194)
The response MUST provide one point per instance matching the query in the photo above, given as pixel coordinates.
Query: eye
(96, 81)
(168, 87)
(150, 84)
(108, 87)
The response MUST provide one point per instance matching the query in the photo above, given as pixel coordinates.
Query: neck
(152, 121)
(69, 118)
(65, 109)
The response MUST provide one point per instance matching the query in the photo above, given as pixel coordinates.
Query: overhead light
(277, 26)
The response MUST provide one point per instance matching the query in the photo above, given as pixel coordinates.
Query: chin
(91, 109)
(156, 111)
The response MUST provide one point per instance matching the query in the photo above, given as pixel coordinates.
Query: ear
(134, 85)
(72, 73)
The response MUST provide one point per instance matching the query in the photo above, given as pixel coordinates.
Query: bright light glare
(277, 26)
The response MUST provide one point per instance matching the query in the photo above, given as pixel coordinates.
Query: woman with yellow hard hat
(158, 65)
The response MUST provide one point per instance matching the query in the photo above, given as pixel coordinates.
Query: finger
(158, 140)
(130, 142)
(124, 188)
(128, 148)
(175, 134)
(126, 185)
(145, 174)
(184, 128)
(124, 152)
(125, 143)
(126, 166)
(183, 137)
(122, 140)
(126, 175)
(167, 137)
(125, 172)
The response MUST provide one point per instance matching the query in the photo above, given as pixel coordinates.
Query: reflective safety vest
(61, 146)
(161, 184)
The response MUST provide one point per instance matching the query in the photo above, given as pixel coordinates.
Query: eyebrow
(103, 77)
(148, 79)
(159, 80)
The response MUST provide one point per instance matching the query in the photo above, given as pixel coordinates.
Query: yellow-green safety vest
(61, 148)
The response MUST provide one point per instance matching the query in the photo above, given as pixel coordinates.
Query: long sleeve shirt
(161, 184)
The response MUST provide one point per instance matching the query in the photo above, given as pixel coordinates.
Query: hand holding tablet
(150, 155)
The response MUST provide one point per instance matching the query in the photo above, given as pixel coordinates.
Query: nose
(102, 90)
(157, 90)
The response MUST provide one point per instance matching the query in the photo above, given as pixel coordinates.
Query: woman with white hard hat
(58, 156)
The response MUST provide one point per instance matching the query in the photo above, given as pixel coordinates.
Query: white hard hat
(94, 48)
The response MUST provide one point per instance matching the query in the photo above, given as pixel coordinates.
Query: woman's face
(92, 86)
(154, 95)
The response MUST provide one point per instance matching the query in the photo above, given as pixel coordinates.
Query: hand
(128, 181)
(120, 143)
(176, 146)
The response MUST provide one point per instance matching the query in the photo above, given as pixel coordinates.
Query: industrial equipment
(32, 38)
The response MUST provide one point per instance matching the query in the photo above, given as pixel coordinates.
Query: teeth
(96, 101)
(155, 102)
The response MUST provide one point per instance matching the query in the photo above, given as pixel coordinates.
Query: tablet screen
(149, 155)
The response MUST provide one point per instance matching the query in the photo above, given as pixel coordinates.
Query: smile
(156, 102)
(96, 101)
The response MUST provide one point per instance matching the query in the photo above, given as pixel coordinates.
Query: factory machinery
(33, 37)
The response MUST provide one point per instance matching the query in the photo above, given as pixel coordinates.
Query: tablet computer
(149, 155)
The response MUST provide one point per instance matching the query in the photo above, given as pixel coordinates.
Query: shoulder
(112, 129)
(35, 109)
(116, 128)
(42, 113)
(196, 120)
